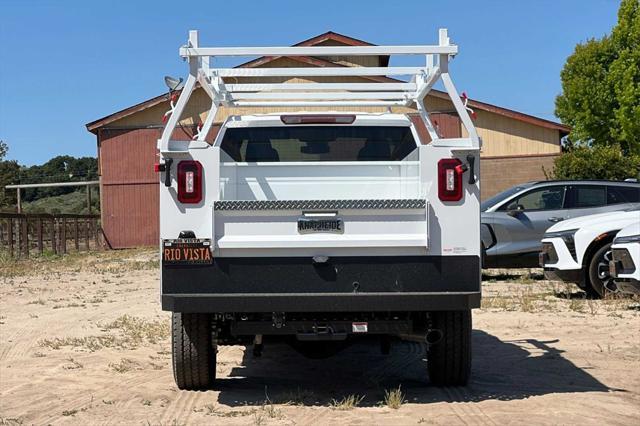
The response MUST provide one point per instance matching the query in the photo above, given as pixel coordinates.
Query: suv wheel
(194, 355)
(599, 276)
(449, 359)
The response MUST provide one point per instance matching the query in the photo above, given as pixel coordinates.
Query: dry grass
(73, 364)
(113, 261)
(125, 365)
(10, 421)
(346, 403)
(394, 398)
(137, 330)
(297, 397)
(126, 332)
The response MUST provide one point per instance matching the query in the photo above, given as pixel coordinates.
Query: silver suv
(514, 221)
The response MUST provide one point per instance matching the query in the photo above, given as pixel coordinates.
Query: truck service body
(319, 227)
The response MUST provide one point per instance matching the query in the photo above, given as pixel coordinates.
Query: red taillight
(450, 179)
(318, 119)
(189, 182)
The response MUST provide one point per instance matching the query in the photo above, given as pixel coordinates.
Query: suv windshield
(487, 204)
(318, 143)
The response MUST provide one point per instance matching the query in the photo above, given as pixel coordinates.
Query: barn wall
(505, 136)
(500, 173)
(129, 187)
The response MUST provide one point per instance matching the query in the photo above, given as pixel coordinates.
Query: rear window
(318, 143)
(622, 194)
(582, 196)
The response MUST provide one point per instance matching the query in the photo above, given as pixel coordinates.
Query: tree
(600, 97)
(4, 148)
(598, 162)
(8, 174)
(62, 168)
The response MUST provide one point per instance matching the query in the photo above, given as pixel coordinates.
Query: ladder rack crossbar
(267, 87)
(188, 52)
(315, 72)
(320, 103)
(330, 96)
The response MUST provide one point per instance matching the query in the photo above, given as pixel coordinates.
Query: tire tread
(194, 357)
(449, 361)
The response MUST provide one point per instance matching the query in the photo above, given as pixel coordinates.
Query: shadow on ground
(523, 277)
(502, 370)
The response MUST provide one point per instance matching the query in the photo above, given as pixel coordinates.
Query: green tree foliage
(4, 148)
(59, 169)
(63, 168)
(75, 202)
(8, 174)
(600, 97)
(598, 162)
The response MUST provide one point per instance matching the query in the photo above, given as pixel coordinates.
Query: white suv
(625, 264)
(579, 250)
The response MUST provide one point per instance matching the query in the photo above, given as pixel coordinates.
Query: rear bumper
(568, 275)
(342, 284)
(320, 302)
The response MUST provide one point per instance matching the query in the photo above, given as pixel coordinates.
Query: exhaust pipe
(433, 336)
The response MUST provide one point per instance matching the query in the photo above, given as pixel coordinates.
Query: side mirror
(515, 210)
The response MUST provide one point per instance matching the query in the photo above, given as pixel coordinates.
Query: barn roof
(340, 39)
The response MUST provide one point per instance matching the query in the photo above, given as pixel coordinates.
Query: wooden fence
(21, 234)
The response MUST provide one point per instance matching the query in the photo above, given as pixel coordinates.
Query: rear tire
(449, 360)
(194, 355)
(599, 272)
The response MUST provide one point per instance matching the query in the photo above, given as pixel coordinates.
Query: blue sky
(66, 63)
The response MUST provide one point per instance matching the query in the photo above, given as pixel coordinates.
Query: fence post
(96, 233)
(11, 237)
(40, 245)
(54, 244)
(87, 230)
(25, 236)
(63, 236)
(77, 234)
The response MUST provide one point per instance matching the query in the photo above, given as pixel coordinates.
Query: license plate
(359, 327)
(186, 251)
(310, 225)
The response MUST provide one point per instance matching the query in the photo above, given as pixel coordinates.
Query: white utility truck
(319, 227)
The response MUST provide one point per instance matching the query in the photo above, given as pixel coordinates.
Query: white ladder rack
(319, 94)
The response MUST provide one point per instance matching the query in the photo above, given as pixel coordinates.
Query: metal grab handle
(555, 219)
(167, 171)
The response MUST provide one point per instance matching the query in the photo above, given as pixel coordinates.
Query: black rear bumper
(320, 302)
(342, 284)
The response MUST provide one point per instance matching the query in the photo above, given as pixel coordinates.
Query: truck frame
(349, 226)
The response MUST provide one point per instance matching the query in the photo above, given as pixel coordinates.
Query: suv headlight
(567, 237)
(627, 239)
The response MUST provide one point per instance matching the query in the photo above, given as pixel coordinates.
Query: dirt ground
(83, 341)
